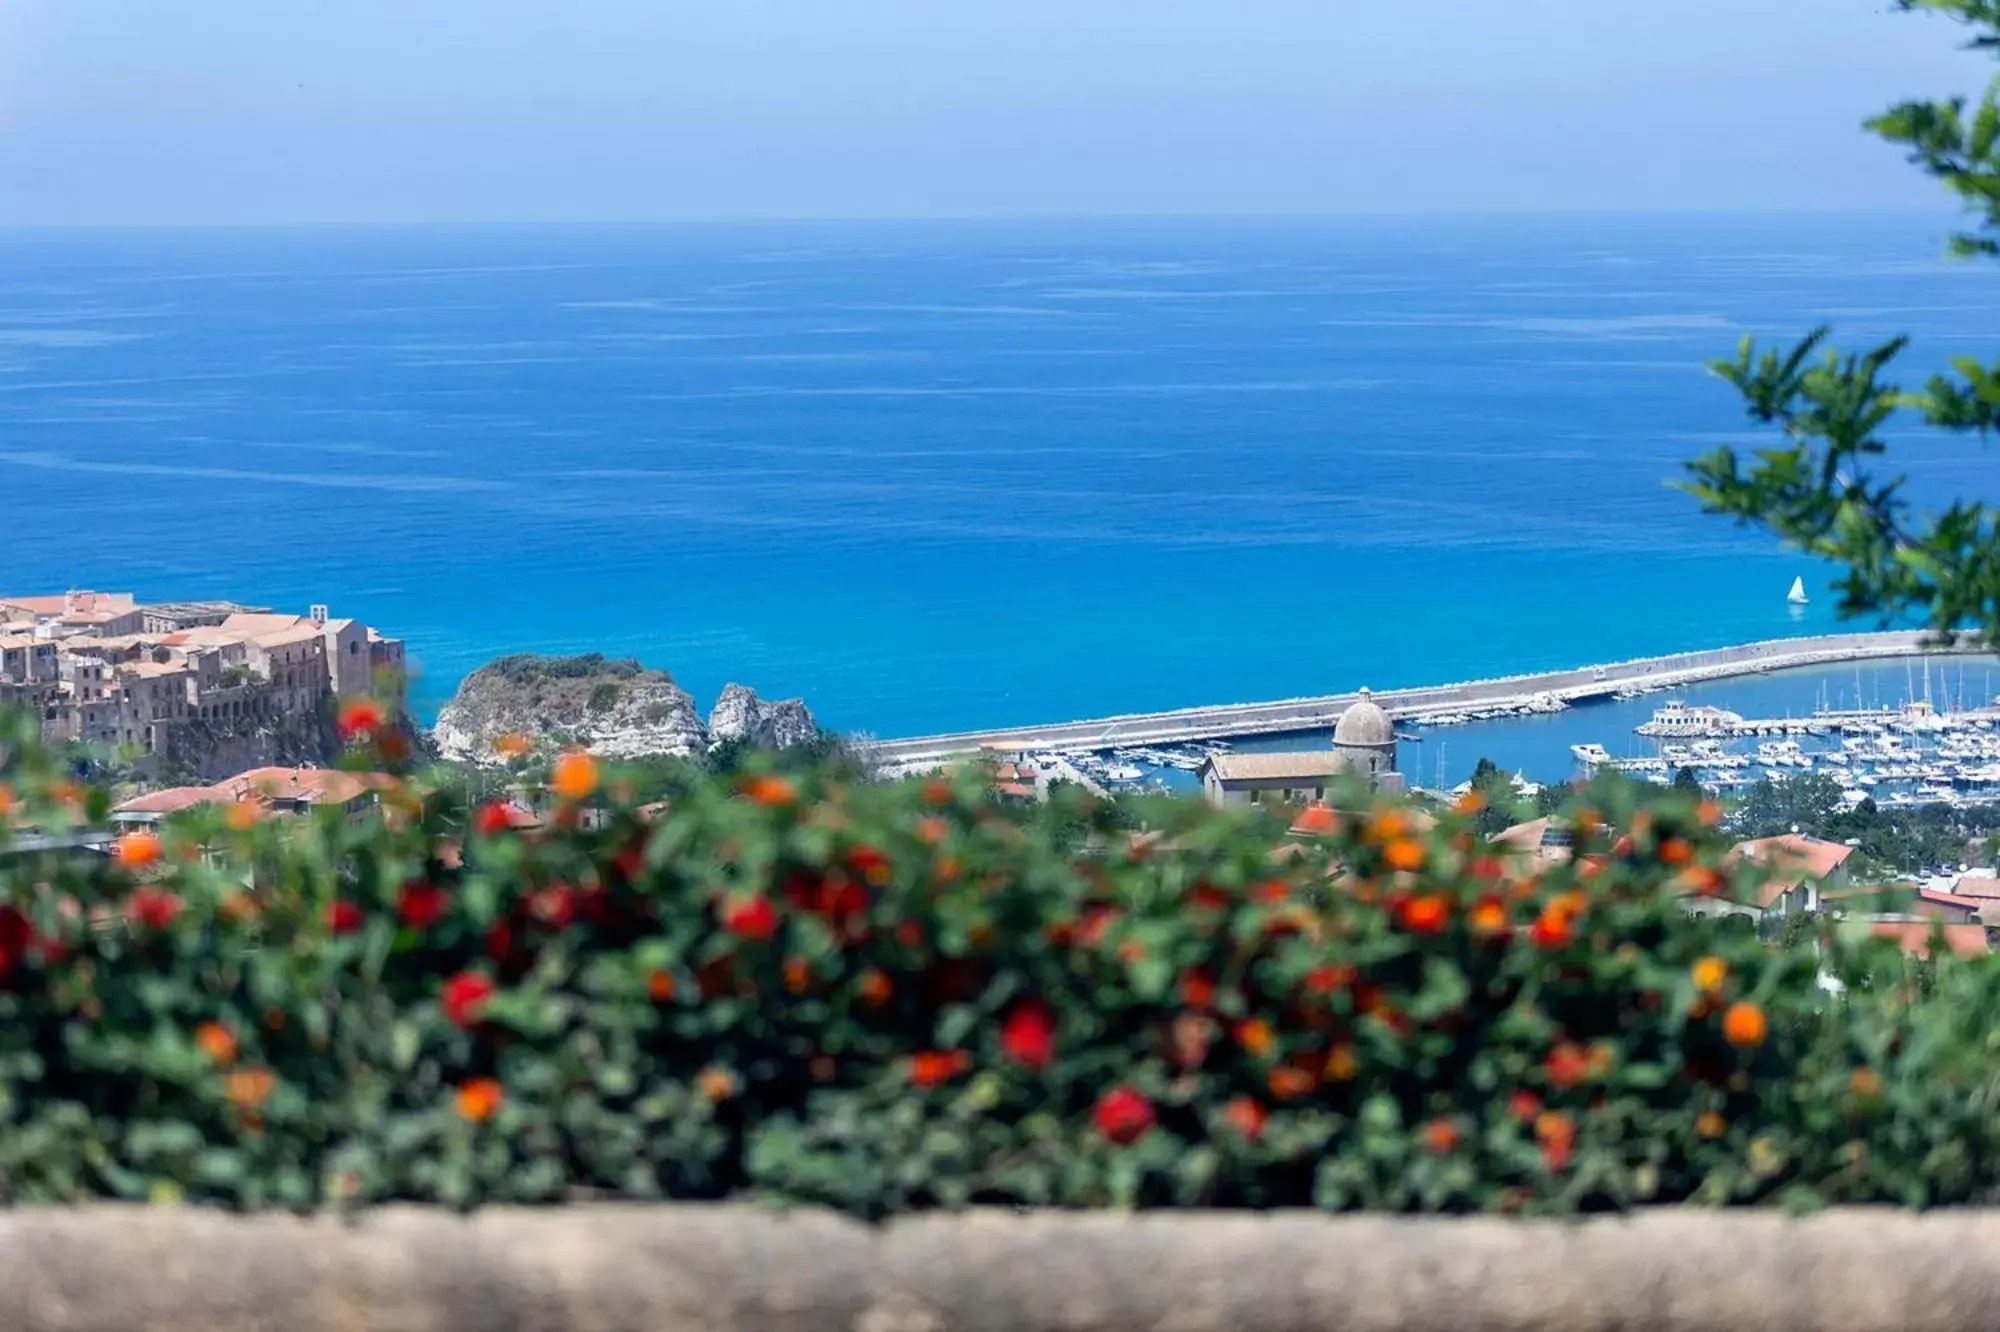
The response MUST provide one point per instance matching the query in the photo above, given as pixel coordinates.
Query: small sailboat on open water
(1797, 596)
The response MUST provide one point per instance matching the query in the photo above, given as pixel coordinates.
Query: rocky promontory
(618, 709)
(740, 715)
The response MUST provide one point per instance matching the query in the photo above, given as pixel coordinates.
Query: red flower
(1567, 1065)
(1198, 989)
(933, 1068)
(1029, 1035)
(1440, 1137)
(17, 936)
(359, 718)
(1524, 1105)
(937, 791)
(1123, 1116)
(154, 908)
(870, 863)
(492, 819)
(344, 917)
(464, 996)
(751, 918)
(1329, 980)
(420, 904)
(500, 941)
(1427, 914)
(554, 906)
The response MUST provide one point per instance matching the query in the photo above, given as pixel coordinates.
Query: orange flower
(934, 1068)
(931, 829)
(1710, 1124)
(1288, 1083)
(241, 816)
(798, 975)
(574, 776)
(1556, 1132)
(513, 745)
(771, 792)
(1341, 1065)
(1524, 1105)
(1427, 914)
(874, 988)
(1701, 880)
(249, 1088)
(1554, 928)
(1246, 1116)
(1865, 1084)
(1386, 825)
(716, 1084)
(937, 791)
(216, 1041)
(1674, 851)
(6, 800)
(1489, 917)
(1255, 1036)
(1744, 1025)
(137, 850)
(660, 987)
(1269, 892)
(1405, 853)
(1709, 812)
(1709, 974)
(1471, 802)
(1440, 1137)
(479, 1098)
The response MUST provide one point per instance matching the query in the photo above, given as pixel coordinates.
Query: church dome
(1364, 724)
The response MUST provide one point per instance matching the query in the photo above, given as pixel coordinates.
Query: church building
(1364, 743)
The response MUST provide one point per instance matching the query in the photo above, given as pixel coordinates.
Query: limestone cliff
(740, 715)
(618, 709)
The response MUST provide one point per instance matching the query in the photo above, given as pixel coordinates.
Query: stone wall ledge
(689, 1268)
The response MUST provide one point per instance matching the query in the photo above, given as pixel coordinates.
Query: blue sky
(261, 111)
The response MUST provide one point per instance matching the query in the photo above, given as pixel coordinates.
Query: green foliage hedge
(887, 997)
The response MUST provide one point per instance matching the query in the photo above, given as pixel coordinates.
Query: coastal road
(1232, 720)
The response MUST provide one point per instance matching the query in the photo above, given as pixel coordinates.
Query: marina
(1883, 716)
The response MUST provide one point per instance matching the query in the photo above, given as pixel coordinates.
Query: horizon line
(913, 219)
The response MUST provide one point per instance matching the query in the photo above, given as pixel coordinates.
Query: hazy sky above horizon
(262, 111)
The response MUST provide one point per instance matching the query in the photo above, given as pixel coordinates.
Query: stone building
(1364, 745)
(100, 667)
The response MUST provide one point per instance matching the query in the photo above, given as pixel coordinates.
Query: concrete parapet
(676, 1268)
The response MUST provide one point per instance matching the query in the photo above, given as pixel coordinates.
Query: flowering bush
(888, 997)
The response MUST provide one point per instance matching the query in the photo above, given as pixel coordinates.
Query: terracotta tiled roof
(1314, 763)
(1981, 885)
(314, 785)
(1797, 856)
(1915, 937)
(261, 622)
(170, 801)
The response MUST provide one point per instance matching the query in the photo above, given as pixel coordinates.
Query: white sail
(1797, 596)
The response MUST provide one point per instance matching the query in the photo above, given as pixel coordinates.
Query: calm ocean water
(940, 476)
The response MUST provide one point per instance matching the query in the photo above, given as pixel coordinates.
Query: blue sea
(945, 475)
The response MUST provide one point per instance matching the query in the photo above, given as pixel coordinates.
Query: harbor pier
(1539, 691)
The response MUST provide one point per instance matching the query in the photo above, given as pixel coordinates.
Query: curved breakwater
(1541, 690)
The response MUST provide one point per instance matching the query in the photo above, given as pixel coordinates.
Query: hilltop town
(207, 687)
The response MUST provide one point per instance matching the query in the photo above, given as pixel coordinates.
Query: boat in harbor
(1591, 756)
(1797, 596)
